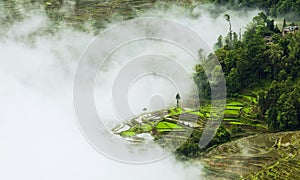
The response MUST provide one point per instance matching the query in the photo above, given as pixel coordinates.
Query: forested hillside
(265, 62)
(289, 8)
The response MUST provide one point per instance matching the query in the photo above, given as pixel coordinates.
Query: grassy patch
(247, 110)
(250, 98)
(234, 107)
(207, 115)
(128, 133)
(197, 113)
(230, 119)
(237, 123)
(205, 109)
(234, 103)
(167, 125)
(146, 127)
(232, 112)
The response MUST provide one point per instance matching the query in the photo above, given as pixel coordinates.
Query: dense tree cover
(280, 105)
(289, 8)
(191, 149)
(261, 54)
(247, 59)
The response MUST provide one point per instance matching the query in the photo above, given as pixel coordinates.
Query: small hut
(290, 30)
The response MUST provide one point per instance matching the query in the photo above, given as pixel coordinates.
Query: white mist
(39, 136)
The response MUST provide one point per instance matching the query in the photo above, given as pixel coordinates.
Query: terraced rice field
(239, 119)
(252, 153)
(268, 156)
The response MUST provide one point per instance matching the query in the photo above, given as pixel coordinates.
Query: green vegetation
(280, 105)
(162, 126)
(250, 64)
(265, 74)
(289, 8)
(191, 149)
(128, 133)
(231, 112)
(234, 103)
(250, 99)
(239, 121)
(263, 83)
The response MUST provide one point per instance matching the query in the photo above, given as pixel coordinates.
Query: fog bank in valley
(39, 136)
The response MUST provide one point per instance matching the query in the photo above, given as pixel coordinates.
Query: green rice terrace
(239, 119)
(170, 127)
(251, 151)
